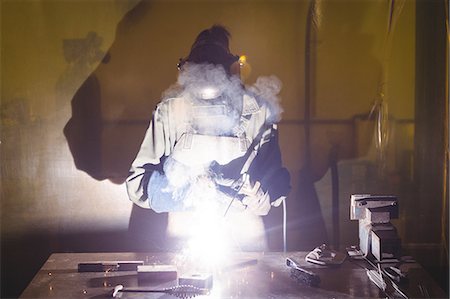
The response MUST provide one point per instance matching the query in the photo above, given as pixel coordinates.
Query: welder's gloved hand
(254, 198)
(162, 197)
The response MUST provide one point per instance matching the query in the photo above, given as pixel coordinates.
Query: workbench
(248, 275)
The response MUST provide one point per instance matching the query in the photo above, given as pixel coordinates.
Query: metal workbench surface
(245, 275)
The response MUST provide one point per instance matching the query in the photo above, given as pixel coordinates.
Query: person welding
(211, 139)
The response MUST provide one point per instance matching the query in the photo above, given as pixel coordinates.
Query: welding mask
(213, 100)
(212, 47)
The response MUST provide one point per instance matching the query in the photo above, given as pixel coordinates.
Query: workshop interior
(363, 130)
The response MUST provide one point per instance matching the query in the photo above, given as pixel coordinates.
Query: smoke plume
(206, 85)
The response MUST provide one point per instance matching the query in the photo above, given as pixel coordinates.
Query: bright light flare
(208, 237)
(206, 234)
(209, 243)
(209, 93)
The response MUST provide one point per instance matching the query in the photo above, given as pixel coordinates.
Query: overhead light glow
(242, 60)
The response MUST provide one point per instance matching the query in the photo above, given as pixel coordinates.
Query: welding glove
(162, 196)
(254, 198)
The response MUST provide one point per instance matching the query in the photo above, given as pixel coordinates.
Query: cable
(445, 208)
(284, 226)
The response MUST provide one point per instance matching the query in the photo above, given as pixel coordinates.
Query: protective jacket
(189, 139)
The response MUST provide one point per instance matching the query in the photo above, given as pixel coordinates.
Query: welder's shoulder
(257, 107)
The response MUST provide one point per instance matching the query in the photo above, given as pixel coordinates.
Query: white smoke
(194, 79)
(183, 187)
(267, 89)
(206, 85)
(184, 180)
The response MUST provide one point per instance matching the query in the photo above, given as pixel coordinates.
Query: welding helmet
(212, 47)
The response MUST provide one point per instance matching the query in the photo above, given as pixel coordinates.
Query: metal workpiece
(377, 236)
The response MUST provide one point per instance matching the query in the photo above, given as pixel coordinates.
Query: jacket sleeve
(267, 167)
(150, 158)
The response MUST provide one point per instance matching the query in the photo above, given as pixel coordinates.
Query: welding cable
(284, 226)
(179, 291)
(445, 167)
(445, 206)
(391, 281)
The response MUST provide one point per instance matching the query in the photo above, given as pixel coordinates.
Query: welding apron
(199, 150)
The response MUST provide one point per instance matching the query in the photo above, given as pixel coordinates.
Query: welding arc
(180, 291)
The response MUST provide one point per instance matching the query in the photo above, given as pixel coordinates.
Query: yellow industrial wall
(42, 188)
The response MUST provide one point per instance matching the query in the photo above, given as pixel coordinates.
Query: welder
(211, 137)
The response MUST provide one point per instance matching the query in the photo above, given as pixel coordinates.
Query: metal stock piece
(302, 275)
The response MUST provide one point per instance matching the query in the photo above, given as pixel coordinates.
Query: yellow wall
(41, 187)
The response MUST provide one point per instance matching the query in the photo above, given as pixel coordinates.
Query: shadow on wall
(111, 111)
(102, 135)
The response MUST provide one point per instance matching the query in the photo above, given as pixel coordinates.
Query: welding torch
(234, 191)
